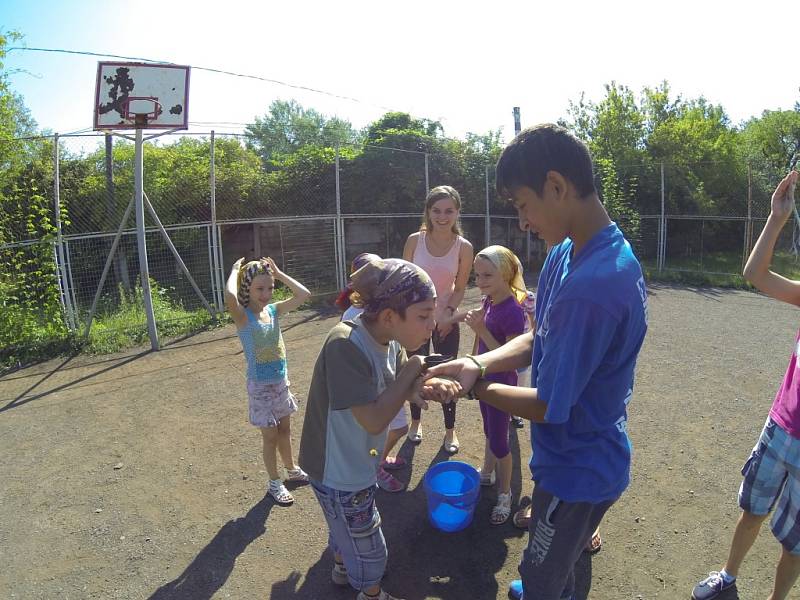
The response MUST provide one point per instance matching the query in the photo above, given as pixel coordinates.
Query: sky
(464, 64)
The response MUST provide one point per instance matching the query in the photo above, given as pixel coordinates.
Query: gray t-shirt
(352, 369)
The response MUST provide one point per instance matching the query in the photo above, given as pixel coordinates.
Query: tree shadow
(211, 568)
(316, 583)
(23, 398)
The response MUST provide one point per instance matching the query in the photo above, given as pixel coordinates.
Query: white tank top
(443, 270)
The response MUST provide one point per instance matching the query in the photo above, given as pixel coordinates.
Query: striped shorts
(772, 481)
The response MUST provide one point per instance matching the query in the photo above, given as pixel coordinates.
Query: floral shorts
(269, 401)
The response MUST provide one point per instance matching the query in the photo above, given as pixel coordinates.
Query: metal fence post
(662, 229)
(487, 219)
(748, 224)
(61, 263)
(427, 177)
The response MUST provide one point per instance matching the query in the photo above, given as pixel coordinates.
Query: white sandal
(501, 510)
(279, 492)
(296, 475)
(487, 480)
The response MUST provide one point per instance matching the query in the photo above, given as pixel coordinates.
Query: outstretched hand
(783, 196)
(463, 370)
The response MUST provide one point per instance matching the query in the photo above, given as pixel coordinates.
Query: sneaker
(712, 586)
(388, 482)
(339, 574)
(517, 422)
(382, 596)
(515, 591)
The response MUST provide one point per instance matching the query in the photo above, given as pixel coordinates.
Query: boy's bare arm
(757, 270)
(519, 401)
(376, 416)
(513, 355)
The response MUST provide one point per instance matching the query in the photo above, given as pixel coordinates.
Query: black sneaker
(712, 586)
(517, 422)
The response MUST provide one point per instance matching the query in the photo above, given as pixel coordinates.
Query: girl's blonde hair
(438, 193)
(509, 267)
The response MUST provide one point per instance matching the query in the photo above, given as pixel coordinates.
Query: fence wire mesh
(313, 212)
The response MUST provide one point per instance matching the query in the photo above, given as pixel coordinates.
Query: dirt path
(137, 476)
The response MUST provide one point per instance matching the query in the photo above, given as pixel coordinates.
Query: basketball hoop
(139, 110)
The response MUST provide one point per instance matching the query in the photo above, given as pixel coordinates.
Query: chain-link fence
(210, 200)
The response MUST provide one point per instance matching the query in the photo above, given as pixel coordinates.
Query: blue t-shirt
(591, 315)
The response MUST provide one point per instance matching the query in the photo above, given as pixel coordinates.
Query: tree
(287, 127)
(773, 140)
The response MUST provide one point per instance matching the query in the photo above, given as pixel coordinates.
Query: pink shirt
(443, 270)
(785, 410)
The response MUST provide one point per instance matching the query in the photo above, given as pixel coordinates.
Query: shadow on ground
(211, 568)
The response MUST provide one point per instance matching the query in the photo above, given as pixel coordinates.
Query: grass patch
(716, 270)
(119, 325)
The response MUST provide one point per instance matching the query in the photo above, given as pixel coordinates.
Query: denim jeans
(354, 526)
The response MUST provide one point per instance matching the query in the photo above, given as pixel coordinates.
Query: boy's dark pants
(557, 534)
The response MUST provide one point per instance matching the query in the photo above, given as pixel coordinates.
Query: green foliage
(287, 127)
(125, 325)
(619, 198)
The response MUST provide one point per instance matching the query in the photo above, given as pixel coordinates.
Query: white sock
(727, 576)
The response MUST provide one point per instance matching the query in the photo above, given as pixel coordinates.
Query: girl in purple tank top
(498, 274)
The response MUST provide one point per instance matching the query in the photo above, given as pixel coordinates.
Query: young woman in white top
(441, 250)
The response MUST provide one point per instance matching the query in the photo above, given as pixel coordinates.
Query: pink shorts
(269, 401)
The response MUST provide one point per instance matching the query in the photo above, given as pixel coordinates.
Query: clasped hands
(443, 383)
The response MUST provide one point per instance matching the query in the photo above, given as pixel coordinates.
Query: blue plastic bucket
(452, 488)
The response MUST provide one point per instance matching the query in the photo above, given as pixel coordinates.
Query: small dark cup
(436, 359)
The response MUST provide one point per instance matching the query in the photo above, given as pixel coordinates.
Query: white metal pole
(138, 182)
(341, 275)
(66, 300)
(216, 267)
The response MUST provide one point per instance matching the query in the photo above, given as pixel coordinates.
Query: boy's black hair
(539, 149)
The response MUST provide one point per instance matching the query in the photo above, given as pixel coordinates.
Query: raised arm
(235, 309)
(757, 270)
(299, 292)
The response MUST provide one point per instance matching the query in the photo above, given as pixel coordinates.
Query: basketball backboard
(132, 95)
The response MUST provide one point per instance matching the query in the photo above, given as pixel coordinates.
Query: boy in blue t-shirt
(591, 314)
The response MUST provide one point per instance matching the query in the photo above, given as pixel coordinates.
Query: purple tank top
(503, 320)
